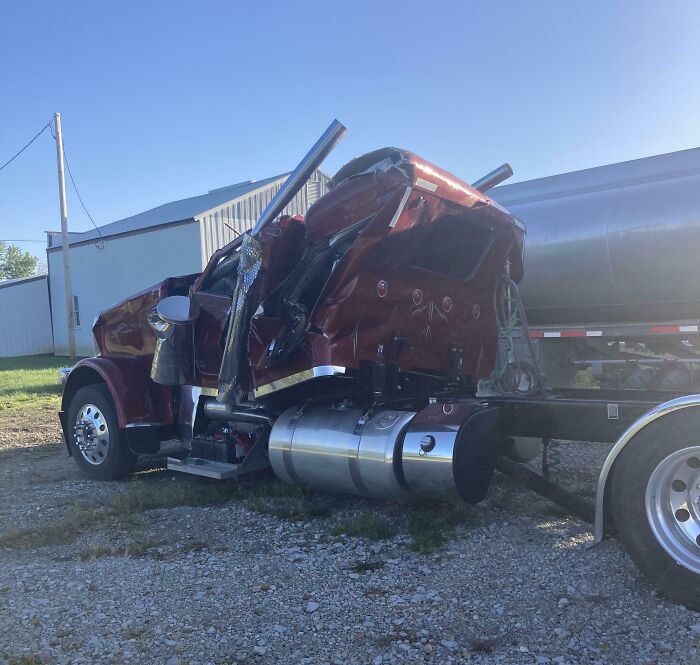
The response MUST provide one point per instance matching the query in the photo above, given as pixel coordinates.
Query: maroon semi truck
(379, 347)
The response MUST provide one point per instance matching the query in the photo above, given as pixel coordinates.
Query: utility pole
(67, 284)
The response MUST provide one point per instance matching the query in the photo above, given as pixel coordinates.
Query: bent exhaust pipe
(298, 177)
(217, 411)
(494, 178)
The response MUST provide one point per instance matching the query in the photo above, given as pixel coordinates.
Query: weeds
(266, 496)
(27, 659)
(483, 645)
(66, 530)
(143, 497)
(430, 529)
(369, 525)
(136, 548)
(133, 633)
(273, 497)
(366, 566)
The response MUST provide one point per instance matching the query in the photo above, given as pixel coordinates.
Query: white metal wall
(124, 266)
(241, 214)
(25, 318)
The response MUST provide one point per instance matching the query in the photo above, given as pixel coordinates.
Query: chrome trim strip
(657, 412)
(300, 377)
(402, 205)
(134, 425)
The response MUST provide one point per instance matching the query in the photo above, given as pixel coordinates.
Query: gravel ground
(516, 581)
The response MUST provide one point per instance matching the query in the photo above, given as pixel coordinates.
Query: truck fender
(138, 400)
(602, 517)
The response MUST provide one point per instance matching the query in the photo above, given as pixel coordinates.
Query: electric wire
(72, 179)
(36, 136)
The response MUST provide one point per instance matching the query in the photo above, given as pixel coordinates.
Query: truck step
(204, 467)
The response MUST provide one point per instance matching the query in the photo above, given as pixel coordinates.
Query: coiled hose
(513, 376)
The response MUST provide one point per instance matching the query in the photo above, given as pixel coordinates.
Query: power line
(17, 154)
(20, 240)
(72, 179)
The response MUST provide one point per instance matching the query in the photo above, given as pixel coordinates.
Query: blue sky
(163, 100)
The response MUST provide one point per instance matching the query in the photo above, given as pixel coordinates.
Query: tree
(15, 263)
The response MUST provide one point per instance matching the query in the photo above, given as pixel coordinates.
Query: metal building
(176, 238)
(25, 317)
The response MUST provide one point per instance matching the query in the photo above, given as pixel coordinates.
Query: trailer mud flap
(450, 450)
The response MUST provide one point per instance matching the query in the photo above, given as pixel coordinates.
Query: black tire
(631, 474)
(118, 460)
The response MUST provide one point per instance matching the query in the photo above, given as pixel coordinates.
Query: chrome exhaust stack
(496, 177)
(301, 174)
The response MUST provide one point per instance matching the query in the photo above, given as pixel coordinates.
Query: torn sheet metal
(234, 361)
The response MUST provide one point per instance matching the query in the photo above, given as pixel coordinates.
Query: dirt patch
(25, 427)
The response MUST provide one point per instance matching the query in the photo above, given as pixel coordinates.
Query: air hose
(514, 376)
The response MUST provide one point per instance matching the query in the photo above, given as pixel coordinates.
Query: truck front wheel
(96, 443)
(655, 495)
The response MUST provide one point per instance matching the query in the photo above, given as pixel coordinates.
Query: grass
(431, 529)
(483, 645)
(366, 566)
(286, 501)
(368, 525)
(29, 659)
(266, 496)
(30, 381)
(585, 379)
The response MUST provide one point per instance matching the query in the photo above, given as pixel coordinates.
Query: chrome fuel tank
(611, 244)
(445, 451)
(335, 449)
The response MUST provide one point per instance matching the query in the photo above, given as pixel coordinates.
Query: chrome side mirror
(177, 310)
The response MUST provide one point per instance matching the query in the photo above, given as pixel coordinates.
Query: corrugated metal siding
(124, 266)
(25, 319)
(217, 225)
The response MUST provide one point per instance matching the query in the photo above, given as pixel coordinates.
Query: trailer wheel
(655, 500)
(96, 443)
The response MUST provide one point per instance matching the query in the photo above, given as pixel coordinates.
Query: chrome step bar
(204, 467)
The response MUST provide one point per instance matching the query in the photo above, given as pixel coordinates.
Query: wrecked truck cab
(381, 292)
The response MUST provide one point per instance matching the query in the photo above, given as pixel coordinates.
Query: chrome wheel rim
(673, 506)
(91, 434)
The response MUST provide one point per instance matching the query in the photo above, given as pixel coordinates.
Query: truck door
(213, 296)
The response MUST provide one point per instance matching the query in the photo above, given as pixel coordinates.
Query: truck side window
(453, 247)
(222, 278)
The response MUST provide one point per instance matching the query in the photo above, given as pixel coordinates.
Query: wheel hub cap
(91, 434)
(673, 506)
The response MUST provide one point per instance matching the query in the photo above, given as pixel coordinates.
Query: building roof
(21, 280)
(175, 211)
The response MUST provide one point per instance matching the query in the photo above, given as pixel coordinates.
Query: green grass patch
(145, 496)
(372, 526)
(30, 381)
(274, 497)
(585, 379)
(80, 518)
(269, 496)
(431, 529)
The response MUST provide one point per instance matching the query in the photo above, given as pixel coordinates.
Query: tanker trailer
(612, 279)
